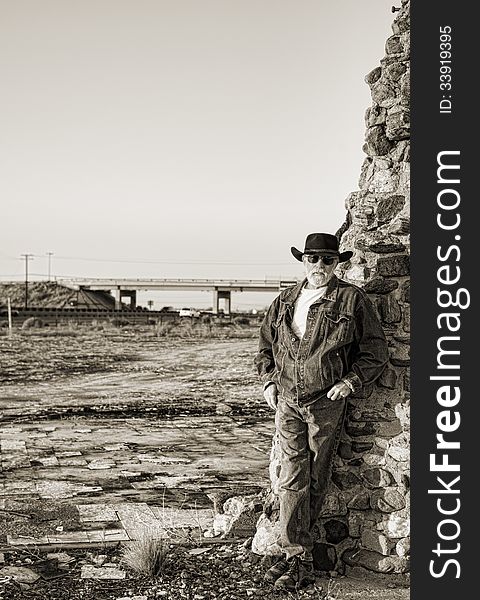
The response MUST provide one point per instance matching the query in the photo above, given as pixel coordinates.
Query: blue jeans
(308, 437)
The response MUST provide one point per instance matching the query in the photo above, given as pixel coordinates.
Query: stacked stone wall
(365, 522)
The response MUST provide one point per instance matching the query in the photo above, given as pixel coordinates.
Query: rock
(209, 533)
(92, 572)
(378, 285)
(374, 459)
(357, 273)
(375, 115)
(406, 319)
(373, 540)
(398, 453)
(377, 478)
(383, 93)
(387, 500)
(405, 89)
(394, 45)
(402, 547)
(389, 429)
(400, 151)
(265, 540)
(400, 443)
(400, 354)
(345, 479)
(373, 76)
(334, 503)
(401, 23)
(403, 413)
(374, 561)
(389, 309)
(239, 516)
(20, 574)
(360, 501)
(222, 524)
(359, 447)
(385, 181)
(377, 142)
(393, 266)
(395, 71)
(387, 208)
(398, 124)
(359, 429)
(406, 381)
(399, 226)
(355, 523)
(345, 450)
(386, 248)
(397, 526)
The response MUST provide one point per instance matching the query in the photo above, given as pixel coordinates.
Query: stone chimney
(365, 522)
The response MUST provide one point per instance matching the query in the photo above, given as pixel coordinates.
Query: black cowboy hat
(321, 243)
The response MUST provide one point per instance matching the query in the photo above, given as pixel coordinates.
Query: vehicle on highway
(4, 312)
(189, 312)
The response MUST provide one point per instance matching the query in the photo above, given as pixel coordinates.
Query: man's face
(319, 269)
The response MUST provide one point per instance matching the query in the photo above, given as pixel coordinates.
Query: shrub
(164, 329)
(118, 322)
(241, 321)
(32, 322)
(147, 556)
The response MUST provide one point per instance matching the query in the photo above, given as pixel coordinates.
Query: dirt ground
(109, 416)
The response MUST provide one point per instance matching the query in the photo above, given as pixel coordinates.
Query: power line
(152, 261)
(167, 262)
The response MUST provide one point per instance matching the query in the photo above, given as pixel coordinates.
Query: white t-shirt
(304, 301)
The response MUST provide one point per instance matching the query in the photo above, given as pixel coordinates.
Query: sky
(179, 138)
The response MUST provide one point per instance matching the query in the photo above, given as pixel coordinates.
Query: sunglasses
(314, 258)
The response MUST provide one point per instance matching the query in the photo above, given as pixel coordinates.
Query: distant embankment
(46, 294)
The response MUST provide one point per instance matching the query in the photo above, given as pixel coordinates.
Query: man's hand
(339, 390)
(270, 395)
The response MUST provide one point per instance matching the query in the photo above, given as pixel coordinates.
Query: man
(319, 342)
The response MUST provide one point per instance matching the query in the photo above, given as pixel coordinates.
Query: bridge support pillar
(222, 295)
(120, 294)
(118, 299)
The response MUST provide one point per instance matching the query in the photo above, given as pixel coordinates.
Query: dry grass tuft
(332, 590)
(147, 556)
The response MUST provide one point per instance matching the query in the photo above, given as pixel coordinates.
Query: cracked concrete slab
(139, 519)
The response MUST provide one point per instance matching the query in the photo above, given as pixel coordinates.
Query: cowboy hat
(321, 243)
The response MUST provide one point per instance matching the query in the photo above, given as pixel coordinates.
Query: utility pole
(9, 309)
(27, 257)
(49, 254)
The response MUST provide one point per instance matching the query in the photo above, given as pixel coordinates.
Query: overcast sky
(182, 138)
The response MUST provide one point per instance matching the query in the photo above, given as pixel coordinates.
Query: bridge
(221, 288)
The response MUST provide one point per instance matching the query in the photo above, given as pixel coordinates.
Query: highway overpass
(220, 288)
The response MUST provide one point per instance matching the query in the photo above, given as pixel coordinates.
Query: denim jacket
(343, 340)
